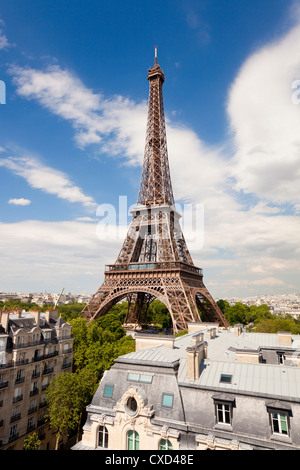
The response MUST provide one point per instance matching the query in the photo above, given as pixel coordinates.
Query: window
(225, 378)
(16, 413)
(133, 440)
(281, 358)
(144, 378)
(279, 423)
(20, 376)
(165, 444)
(13, 432)
(223, 413)
(108, 391)
(167, 400)
(20, 341)
(31, 424)
(131, 406)
(103, 437)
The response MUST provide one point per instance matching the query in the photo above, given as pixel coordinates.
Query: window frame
(279, 413)
(225, 378)
(139, 377)
(224, 412)
(135, 439)
(168, 445)
(131, 406)
(106, 387)
(169, 395)
(103, 432)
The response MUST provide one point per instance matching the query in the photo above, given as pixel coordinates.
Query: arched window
(103, 437)
(133, 440)
(165, 444)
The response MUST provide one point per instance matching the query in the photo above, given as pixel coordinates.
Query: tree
(68, 395)
(71, 311)
(237, 313)
(32, 442)
(223, 305)
(275, 324)
(159, 314)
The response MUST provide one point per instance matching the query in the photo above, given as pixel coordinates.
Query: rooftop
(251, 378)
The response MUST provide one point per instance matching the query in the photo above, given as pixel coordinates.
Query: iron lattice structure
(154, 261)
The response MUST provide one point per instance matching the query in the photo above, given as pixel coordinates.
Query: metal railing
(153, 266)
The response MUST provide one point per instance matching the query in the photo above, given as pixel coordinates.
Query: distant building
(34, 347)
(209, 389)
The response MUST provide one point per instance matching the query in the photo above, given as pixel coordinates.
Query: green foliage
(98, 344)
(275, 324)
(223, 305)
(71, 311)
(242, 313)
(67, 396)
(181, 333)
(158, 314)
(32, 442)
(258, 318)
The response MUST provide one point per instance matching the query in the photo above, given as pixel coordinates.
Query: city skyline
(73, 133)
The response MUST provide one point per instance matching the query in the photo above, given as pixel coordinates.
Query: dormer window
(281, 357)
(279, 413)
(131, 406)
(20, 341)
(47, 335)
(280, 423)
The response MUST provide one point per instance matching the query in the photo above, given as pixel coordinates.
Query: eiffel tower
(154, 261)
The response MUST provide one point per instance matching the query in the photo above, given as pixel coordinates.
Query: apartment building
(209, 389)
(34, 347)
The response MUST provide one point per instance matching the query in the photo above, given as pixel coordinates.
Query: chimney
(4, 320)
(284, 337)
(197, 338)
(53, 313)
(18, 311)
(36, 315)
(194, 356)
(238, 329)
(211, 333)
(143, 341)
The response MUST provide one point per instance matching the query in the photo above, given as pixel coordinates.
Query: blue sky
(73, 130)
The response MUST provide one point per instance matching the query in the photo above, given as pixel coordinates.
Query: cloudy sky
(72, 136)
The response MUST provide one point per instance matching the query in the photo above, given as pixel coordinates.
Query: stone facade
(34, 346)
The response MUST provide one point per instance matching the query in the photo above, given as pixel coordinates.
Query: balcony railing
(18, 398)
(153, 266)
(27, 344)
(4, 384)
(15, 417)
(13, 436)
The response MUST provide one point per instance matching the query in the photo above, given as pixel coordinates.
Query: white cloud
(92, 116)
(49, 255)
(19, 201)
(266, 123)
(3, 39)
(45, 178)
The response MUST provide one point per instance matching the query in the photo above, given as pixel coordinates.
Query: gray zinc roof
(250, 378)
